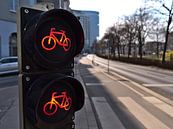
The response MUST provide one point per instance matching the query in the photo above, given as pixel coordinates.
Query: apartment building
(90, 23)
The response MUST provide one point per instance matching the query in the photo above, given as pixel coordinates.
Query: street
(9, 109)
(157, 79)
(133, 106)
(130, 97)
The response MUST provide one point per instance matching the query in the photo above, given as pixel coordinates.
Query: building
(170, 41)
(151, 47)
(8, 27)
(8, 35)
(8, 31)
(90, 24)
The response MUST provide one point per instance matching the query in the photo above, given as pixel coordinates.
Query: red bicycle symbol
(51, 107)
(49, 42)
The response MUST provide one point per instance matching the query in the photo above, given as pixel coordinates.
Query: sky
(109, 10)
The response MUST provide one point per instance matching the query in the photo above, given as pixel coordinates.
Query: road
(121, 103)
(112, 101)
(9, 102)
(157, 79)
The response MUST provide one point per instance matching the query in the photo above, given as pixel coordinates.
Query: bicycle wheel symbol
(66, 44)
(50, 108)
(48, 43)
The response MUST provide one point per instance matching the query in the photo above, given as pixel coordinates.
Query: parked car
(8, 65)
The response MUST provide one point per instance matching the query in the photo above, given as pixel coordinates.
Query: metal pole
(108, 55)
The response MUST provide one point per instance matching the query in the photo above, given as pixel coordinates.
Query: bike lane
(85, 118)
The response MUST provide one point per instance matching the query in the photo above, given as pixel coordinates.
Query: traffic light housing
(47, 44)
(53, 37)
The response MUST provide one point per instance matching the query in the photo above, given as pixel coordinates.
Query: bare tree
(130, 31)
(157, 33)
(143, 19)
(167, 11)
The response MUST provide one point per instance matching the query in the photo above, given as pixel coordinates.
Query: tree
(157, 33)
(168, 12)
(143, 20)
(130, 31)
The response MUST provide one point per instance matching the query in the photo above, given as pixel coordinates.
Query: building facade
(8, 19)
(8, 26)
(170, 41)
(90, 24)
(8, 31)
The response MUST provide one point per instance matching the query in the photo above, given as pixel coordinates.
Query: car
(9, 65)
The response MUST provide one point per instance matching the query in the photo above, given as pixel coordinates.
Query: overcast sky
(109, 10)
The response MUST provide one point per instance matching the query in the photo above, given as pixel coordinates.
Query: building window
(13, 44)
(13, 6)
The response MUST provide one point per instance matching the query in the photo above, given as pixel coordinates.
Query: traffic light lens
(61, 101)
(55, 102)
(55, 42)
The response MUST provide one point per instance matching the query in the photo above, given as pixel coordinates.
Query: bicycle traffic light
(47, 44)
(53, 37)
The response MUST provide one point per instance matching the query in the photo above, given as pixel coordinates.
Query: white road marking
(93, 84)
(107, 117)
(157, 85)
(161, 105)
(146, 118)
(142, 88)
(9, 87)
(137, 92)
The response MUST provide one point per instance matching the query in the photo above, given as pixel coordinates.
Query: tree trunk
(140, 44)
(166, 38)
(129, 48)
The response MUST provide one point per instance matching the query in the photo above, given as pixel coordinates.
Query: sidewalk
(84, 119)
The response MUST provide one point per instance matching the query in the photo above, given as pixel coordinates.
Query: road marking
(107, 117)
(157, 85)
(137, 92)
(146, 118)
(142, 88)
(121, 82)
(161, 105)
(9, 87)
(93, 84)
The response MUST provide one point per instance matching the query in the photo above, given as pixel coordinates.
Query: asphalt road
(120, 103)
(157, 79)
(9, 102)
(116, 102)
(8, 81)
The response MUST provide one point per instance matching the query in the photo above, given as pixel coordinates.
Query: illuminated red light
(51, 40)
(51, 107)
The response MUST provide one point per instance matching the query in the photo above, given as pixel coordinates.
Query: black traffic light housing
(47, 44)
(42, 33)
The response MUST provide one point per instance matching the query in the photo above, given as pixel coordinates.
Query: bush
(145, 62)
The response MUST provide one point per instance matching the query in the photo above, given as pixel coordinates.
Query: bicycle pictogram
(50, 41)
(57, 101)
